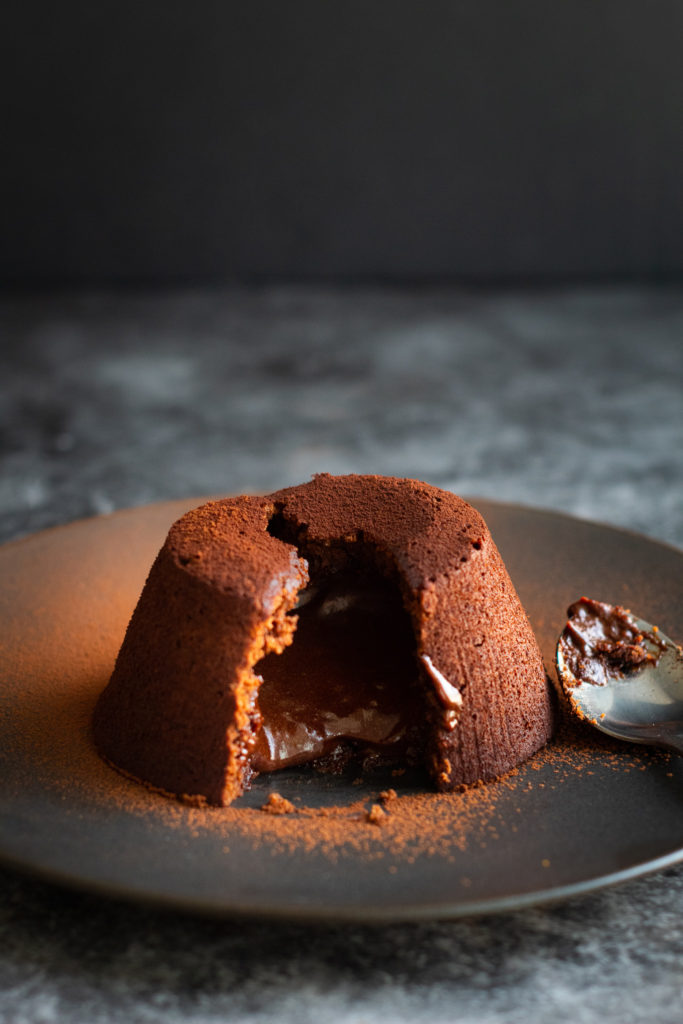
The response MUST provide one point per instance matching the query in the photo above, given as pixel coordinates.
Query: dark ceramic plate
(583, 814)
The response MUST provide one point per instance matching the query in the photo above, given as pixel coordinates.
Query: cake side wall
(164, 716)
(477, 634)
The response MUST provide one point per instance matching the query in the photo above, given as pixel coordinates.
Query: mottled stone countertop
(569, 399)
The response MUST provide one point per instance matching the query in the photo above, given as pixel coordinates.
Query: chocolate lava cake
(358, 619)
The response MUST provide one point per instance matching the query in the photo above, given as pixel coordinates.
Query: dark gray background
(468, 139)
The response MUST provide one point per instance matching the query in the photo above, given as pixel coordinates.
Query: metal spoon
(643, 704)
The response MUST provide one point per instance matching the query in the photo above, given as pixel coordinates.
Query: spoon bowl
(644, 705)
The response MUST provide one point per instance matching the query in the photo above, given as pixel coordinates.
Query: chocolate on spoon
(622, 674)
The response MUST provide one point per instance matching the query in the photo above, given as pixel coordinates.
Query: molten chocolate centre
(350, 675)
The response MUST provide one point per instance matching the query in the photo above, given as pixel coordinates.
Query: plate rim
(331, 913)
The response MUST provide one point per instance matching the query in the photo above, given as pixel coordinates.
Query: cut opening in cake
(347, 689)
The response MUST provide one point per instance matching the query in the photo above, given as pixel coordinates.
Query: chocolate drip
(350, 675)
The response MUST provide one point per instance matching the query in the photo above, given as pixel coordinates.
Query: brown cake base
(357, 617)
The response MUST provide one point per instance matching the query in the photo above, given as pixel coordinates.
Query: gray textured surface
(564, 399)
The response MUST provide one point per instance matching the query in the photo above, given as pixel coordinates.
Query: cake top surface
(227, 543)
(425, 531)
